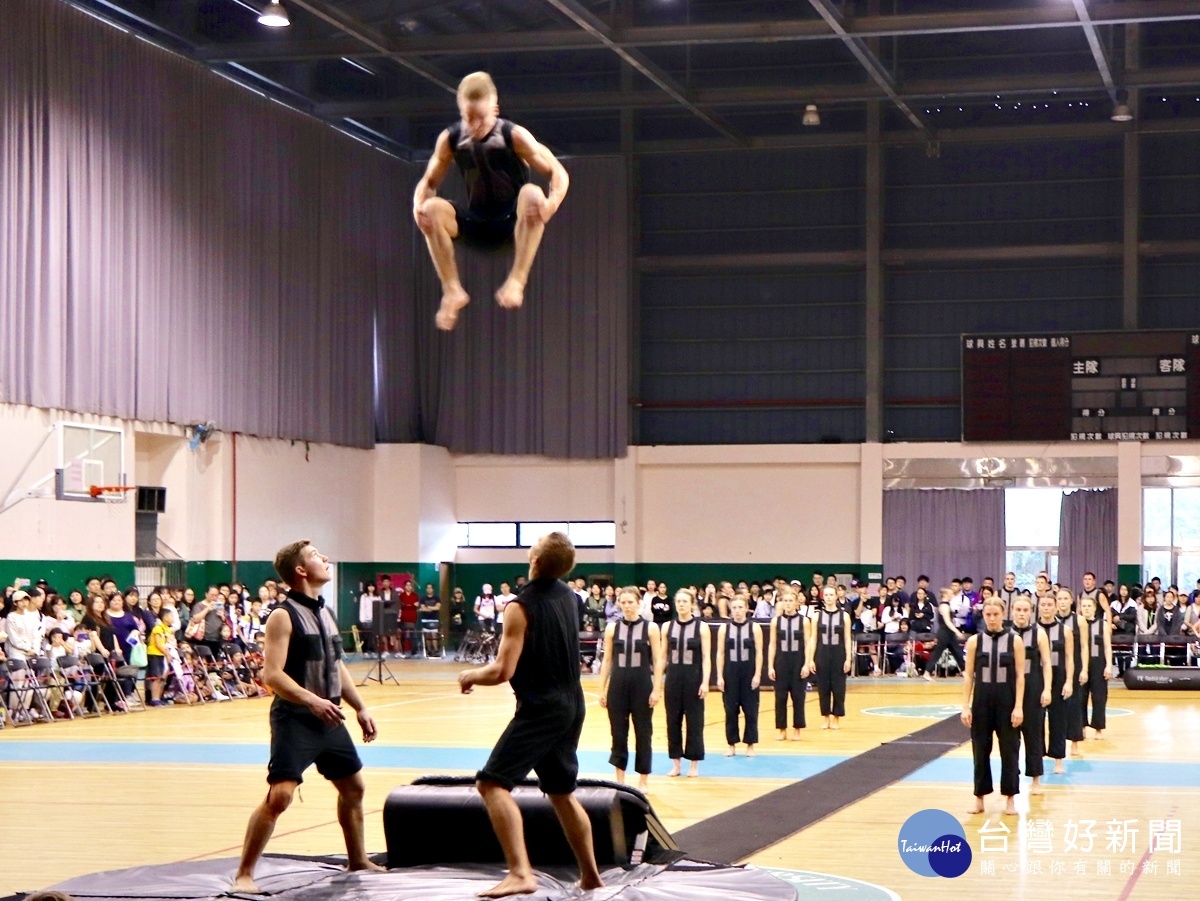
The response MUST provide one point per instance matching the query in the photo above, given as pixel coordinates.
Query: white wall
(532, 489)
(42, 528)
(760, 504)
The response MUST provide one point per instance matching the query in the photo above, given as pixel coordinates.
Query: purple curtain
(944, 533)
(1087, 536)
(173, 247)
(549, 379)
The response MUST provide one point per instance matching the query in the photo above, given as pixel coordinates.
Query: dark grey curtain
(944, 533)
(173, 247)
(1087, 536)
(548, 379)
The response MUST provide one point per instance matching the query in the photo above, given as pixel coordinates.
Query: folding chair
(27, 702)
(179, 679)
(104, 678)
(52, 689)
(434, 634)
(133, 700)
(208, 663)
(73, 680)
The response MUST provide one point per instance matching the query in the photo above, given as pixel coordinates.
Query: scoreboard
(1087, 386)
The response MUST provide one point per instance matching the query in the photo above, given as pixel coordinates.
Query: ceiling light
(811, 116)
(274, 16)
(1121, 111)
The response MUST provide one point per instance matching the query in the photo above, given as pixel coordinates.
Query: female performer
(1038, 680)
(629, 684)
(786, 662)
(1099, 667)
(828, 655)
(1065, 600)
(1062, 662)
(739, 664)
(993, 703)
(686, 649)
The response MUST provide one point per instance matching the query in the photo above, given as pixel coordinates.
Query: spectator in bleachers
(1147, 611)
(647, 597)
(503, 599)
(594, 607)
(612, 610)
(24, 628)
(366, 613)
(76, 605)
(124, 623)
(157, 646)
(764, 608)
(922, 617)
(458, 617)
(660, 606)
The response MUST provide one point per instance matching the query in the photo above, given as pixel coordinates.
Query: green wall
(1129, 574)
(64, 575)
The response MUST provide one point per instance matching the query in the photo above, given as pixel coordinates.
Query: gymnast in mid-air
(503, 207)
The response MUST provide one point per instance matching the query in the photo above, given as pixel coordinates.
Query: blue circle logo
(932, 843)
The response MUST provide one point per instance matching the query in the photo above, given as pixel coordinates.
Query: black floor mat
(748, 828)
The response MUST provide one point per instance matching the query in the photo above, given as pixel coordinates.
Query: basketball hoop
(110, 494)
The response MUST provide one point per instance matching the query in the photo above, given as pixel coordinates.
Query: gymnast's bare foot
(795, 735)
(1059, 769)
(750, 752)
(245, 885)
(1036, 787)
(732, 750)
(511, 294)
(782, 735)
(674, 770)
(977, 807)
(366, 866)
(587, 883)
(454, 298)
(1010, 809)
(694, 770)
(512, 884)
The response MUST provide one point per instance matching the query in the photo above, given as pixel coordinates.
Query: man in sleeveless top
(303, 665)
(539, 655)
(503, 207)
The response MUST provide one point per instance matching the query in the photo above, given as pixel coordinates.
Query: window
(525, 534)
(1031, 518)
(1171, 535)
(491, 534)
(532, 531)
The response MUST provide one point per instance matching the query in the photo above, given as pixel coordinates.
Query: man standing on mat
(539, 655)
(303, 666)
(503, 207)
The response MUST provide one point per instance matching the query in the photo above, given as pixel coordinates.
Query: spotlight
(811, 116)
(274, 16)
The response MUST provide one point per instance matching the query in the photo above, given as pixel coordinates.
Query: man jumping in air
(503, 208)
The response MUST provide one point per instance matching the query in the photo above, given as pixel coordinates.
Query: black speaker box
(625, 830)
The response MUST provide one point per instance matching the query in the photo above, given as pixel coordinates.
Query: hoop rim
(109, 490)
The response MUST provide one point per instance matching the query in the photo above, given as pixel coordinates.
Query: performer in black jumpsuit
(739, 663)
(629, 680)
(993, 703)
(786, 664)
(1065, 600)
(1038, 679)
(1099, 634)
(686, 651)
(828, 654)
(1062, 661)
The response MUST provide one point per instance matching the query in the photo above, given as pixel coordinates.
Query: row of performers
(643, 663)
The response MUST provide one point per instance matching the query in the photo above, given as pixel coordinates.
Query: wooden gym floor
(178, 783)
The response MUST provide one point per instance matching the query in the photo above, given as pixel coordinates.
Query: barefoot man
(503, 207)
(303, 666)
(539, 655)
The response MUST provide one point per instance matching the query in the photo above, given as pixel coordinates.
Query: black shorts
(487, 232)
(154, 666)
(543, 737)
(299, 739)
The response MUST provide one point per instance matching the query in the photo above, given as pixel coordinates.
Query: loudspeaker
(151, 499)
(625, 830)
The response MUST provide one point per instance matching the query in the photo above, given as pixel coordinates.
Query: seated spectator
(24, 628)
(764, 609)
(485, 609)
(612, 612)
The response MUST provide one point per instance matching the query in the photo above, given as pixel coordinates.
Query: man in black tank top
(539, 656)
(303, 666)
(503, 208)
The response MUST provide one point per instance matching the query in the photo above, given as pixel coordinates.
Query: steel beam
(1098, 54)
(327, 12)
(583, 17)
(1131, 264)
(876, 70)
(1033, 17)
